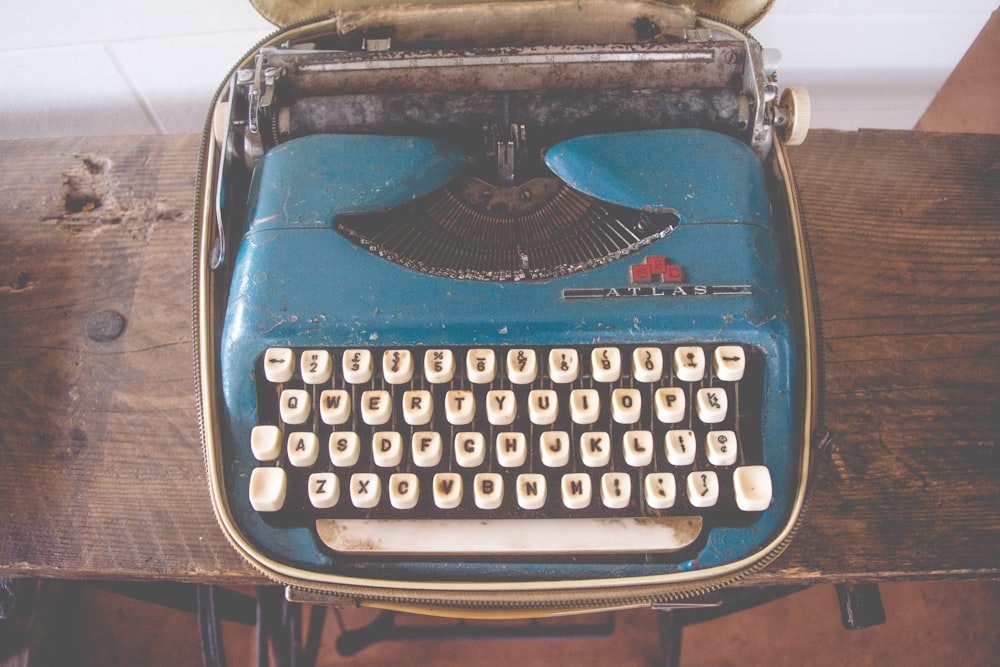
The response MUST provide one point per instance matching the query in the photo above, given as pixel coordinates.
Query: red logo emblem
(656, 269)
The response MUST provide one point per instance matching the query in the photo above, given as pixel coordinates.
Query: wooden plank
(104, 475)
(905, 244)
(968, 99)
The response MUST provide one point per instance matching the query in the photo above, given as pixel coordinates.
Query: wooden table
(102, 473)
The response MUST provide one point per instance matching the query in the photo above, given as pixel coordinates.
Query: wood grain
(103, 474)
(905, 245)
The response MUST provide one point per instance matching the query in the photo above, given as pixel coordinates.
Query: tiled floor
(936, 623)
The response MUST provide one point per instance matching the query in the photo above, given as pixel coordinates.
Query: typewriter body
(502, 306)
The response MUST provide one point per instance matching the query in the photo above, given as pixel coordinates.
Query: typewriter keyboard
(498, 450)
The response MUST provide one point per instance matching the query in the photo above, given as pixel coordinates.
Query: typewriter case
(503, 95)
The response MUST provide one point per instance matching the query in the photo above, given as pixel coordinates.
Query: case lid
(284, 13)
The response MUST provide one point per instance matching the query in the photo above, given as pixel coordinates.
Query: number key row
(521, 365)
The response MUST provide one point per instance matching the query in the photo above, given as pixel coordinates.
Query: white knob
(796, 101)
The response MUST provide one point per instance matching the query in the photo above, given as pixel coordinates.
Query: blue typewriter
(503, 307)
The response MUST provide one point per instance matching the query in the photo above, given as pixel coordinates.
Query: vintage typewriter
(503, 305)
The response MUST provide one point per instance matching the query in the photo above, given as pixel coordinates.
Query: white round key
(334, 406)
(689, 363)
(439, 366)
(729, 362)
(404, 490)
(564, 365)
(303, 449)
(357, 366)
(397, 366)
(376, 407)
(511, 449)
(344, 448)
(522, 366)
(265, 442)
(595, 449)
(480, 365)
(660, 490)
(576, 490)
(418, 407)
(606, 364)
(387, 449)
(720, 448)
(470, 449)
(488, 490)
(531, 491)
(426, 448)
(324, 490)
(366, 490)
(626, 405)
(638, 448)
(460, 406)
(752, 485)
(447, 490)
(681, 447)
(316, 366)
(267, 489)
(712, 404)
(703, 488)
(671, 405)
(501, 407)
(616, 489)
(584, 406)
(279, 364)
(543, 406)
(554, 447)
(647, 364)
(294, 406)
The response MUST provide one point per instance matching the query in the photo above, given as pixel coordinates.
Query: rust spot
(646, 28)
(82, 194)
(77, 202)
(85, 186)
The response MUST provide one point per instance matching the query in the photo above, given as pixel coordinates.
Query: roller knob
(799, 109)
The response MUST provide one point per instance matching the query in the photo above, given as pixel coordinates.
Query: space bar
(509, 536)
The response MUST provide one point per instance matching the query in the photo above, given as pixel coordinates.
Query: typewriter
(503, 305)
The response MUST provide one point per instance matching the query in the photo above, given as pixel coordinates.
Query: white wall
(143, 67)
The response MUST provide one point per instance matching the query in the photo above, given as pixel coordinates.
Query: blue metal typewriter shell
(408, 205)
(298, 283)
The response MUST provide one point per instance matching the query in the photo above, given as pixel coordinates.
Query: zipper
(201, 284)
(469, 602)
